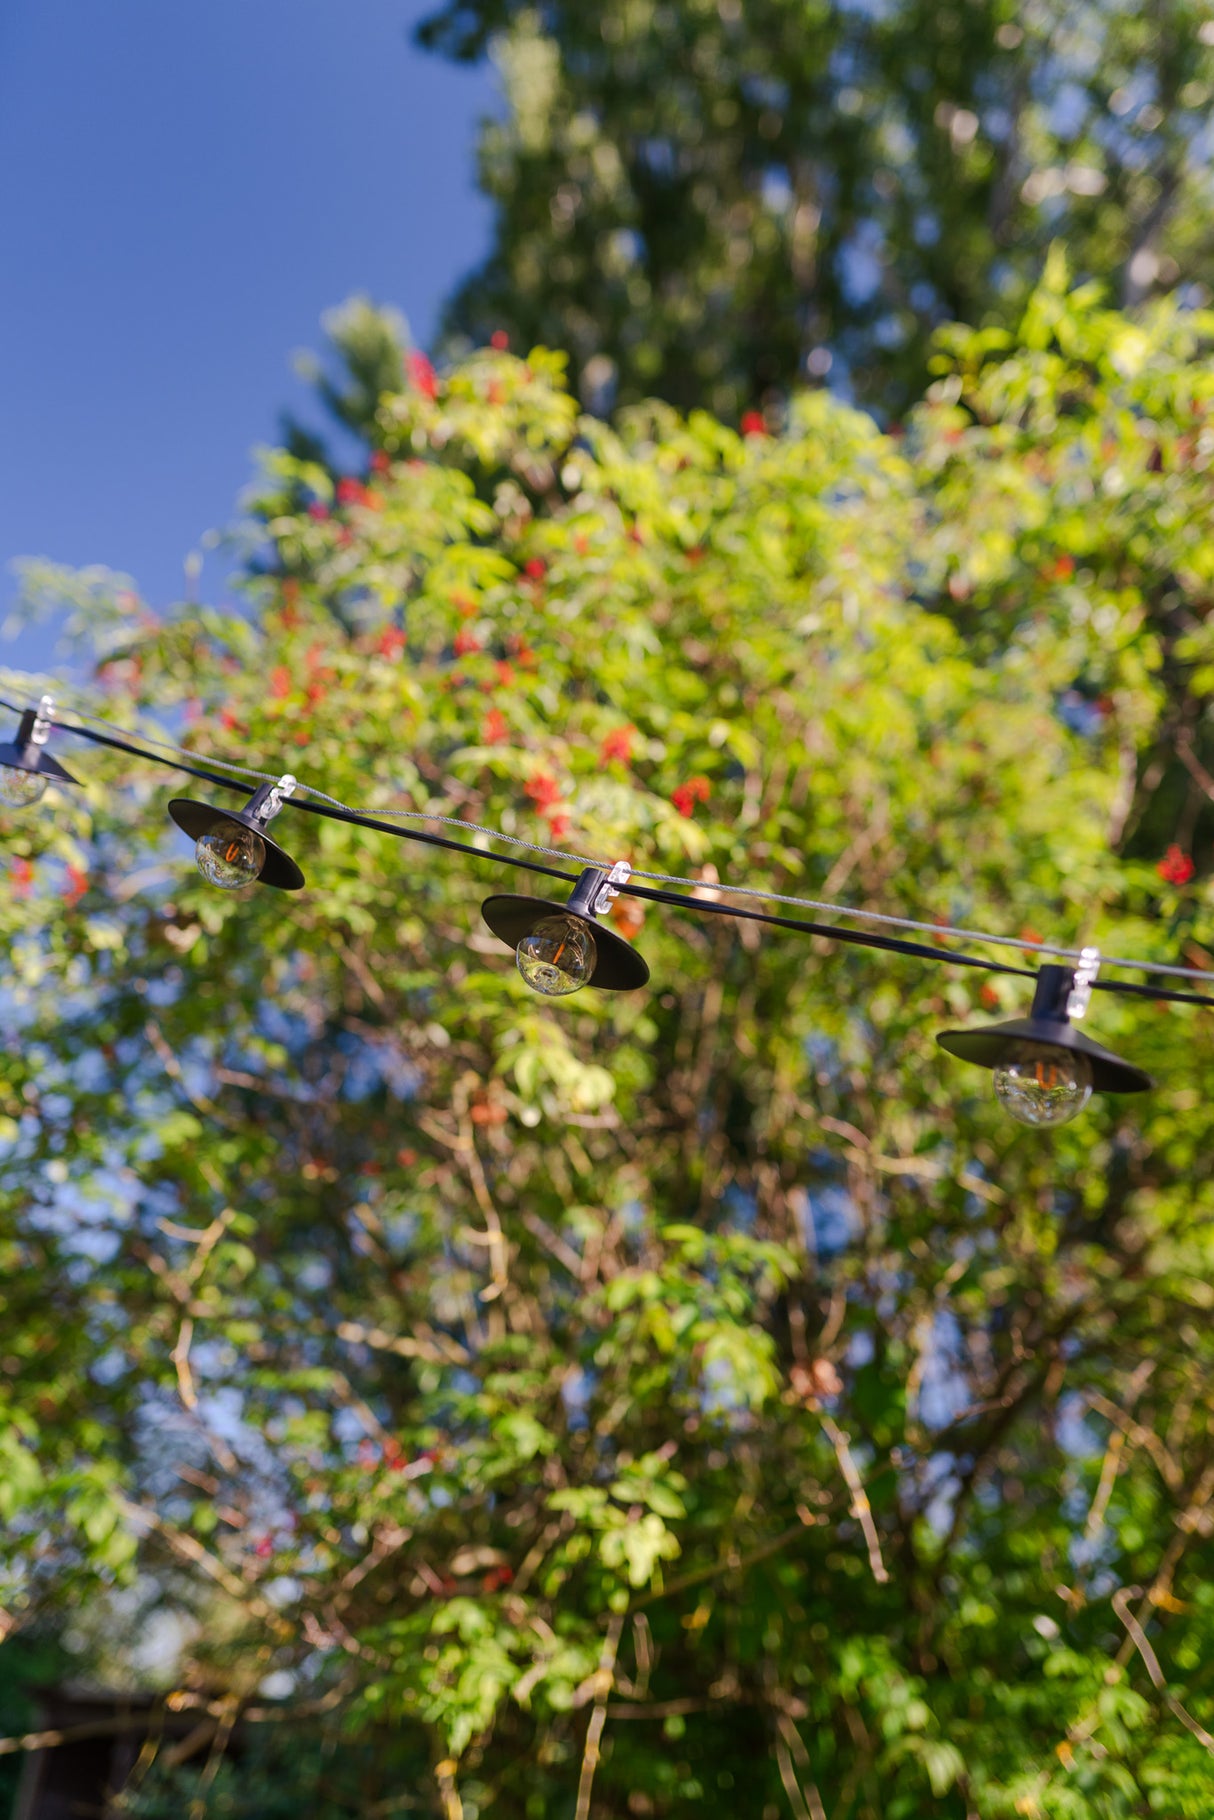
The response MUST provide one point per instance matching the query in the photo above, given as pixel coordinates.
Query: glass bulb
(231, 856)
(20, 788)
(558, 956)
(1040, 1085)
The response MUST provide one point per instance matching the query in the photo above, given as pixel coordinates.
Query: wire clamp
(620, 873)
(283, 788)
(44, 716)
(1085, 977)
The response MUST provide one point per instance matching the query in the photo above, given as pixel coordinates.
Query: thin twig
(605, 1680)
(861, 1509)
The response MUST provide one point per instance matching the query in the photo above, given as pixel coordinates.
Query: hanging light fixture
(562, 947)
(26, 767)
(231, 845)
(1045, 1070)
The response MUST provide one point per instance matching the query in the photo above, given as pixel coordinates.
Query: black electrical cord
(697, 906)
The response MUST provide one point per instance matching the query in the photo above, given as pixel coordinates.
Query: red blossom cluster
(543, 790)
(686, 796)
(1175, 868)
(23, 878)
(499, 340)
(391, 641)
(422, 376)
(351, 492)
(536, 568)
(494, 730)
(380, 462)
(77, 883)
(754, 423)
(617, 745)
(466, 644)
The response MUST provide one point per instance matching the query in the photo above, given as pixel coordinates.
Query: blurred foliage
(702, 1399)
(709, 200)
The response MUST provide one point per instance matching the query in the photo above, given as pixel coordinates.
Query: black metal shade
(1049, 1026)
(617, 967)
(31, 757)
(997, 1043)
(197, 819)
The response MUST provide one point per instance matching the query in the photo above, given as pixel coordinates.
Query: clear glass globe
(558, 956)
(20, 788)
(231, 856)
(1040, 1085)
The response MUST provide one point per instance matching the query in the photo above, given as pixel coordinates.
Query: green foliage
(699, 197)
(711, 1364)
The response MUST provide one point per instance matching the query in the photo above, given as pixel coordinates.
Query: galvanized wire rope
(704, 892)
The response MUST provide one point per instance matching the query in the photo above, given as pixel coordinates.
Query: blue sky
(183, 190)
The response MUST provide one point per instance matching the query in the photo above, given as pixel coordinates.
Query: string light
(562, 947)
(231, 845)
(1045, 1070)
(26, 767)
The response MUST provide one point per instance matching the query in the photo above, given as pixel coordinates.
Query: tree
(641, 1404)
(710, 201)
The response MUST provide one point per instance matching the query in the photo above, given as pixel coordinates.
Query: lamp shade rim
(197, 819)
(991, 1046)
(618, 966)
(34, 758)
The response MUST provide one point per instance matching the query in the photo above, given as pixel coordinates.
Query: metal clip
(43, 717)
(283, 788)
(1085, 976)
(620, 873)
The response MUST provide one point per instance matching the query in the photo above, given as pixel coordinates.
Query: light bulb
(231, 856)
(558, 956)
(19, 788)
(1040, 1085)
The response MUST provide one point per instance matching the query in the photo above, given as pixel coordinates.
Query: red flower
(494, 730)
(23, 877)
(536, 568)
(543, 790)
(228, 719)
(1175, 868)
(318, 509)
(280, 681)
(499, 340)
(76, 886)
(423, 376)
(617, 745)
(581, 544)
(754, 423)
(381, 461)
(559, 826)
(316, 692)
(349, 492)
(466, 643)
(264, 1549)
(464, 605)
(494, 393)
(391, 641)
(686, 796)
(1064, 568)
(373, 501)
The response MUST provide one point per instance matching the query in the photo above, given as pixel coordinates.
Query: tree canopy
(711, 201)
(651, 1403)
